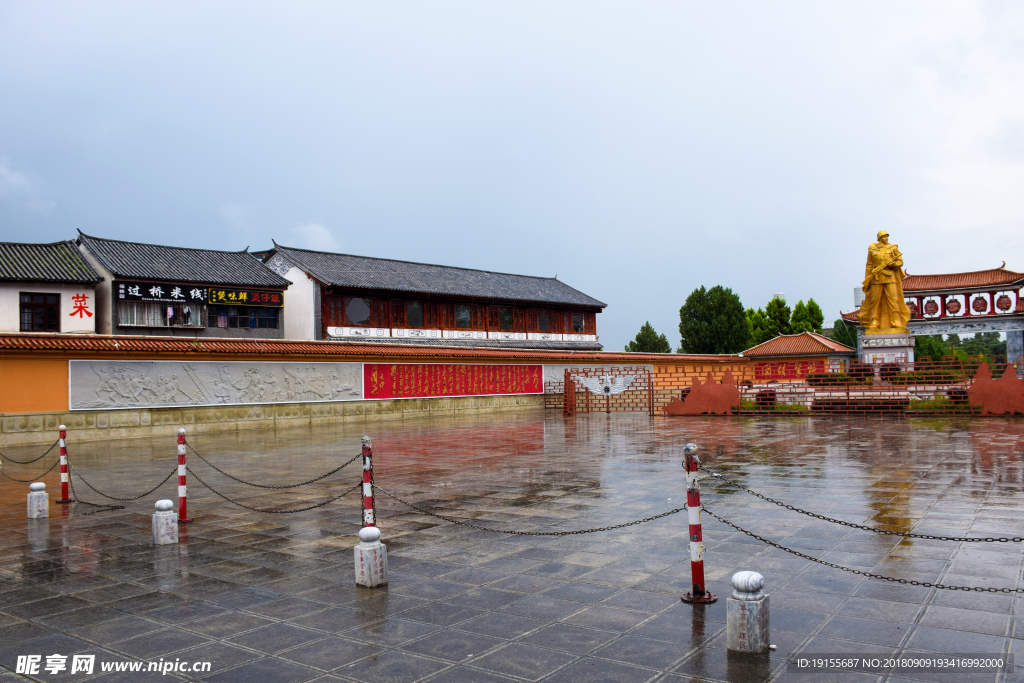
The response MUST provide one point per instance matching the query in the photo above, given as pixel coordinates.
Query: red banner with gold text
(423, 380)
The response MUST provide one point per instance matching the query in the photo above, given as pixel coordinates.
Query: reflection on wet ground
(270, 597)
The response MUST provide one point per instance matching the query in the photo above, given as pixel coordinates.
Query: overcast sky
(637, 150)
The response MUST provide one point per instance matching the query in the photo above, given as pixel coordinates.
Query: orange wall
(33, 385)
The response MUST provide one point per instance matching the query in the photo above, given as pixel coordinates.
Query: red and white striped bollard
(64, 474)
(182, 486)
(371, 556)
(369, 508)
(692, 464)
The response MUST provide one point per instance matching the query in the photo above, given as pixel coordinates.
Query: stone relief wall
(153, 384)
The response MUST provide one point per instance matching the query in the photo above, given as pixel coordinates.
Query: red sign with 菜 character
(425, 380)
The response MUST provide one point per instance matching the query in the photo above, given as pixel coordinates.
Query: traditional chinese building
(46, 288)
(961, 303)
(791, 357)
(344, 297)
(173, 291)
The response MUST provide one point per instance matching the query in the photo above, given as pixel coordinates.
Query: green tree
(649, 341)
(806, 318)
(815, 316)
(761, 327)
(844, 333)
(778, 312)
(985, 344)
(931, 346)
(713, 321)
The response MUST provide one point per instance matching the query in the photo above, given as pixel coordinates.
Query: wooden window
(463, 317)
(414, 314)
(40, 312)
(358, 311)
(506, 320)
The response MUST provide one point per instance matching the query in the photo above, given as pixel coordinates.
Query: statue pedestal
(887, 348)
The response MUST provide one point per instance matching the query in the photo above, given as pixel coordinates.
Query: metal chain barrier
(273, 512)
(527, 533)
(840, 567)
(268, 486)
(862, 527)
(101, 507)
(29, 481)
(29, 462)
(124, 500)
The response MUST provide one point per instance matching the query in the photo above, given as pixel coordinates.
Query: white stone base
(371, 559)
(886, 348)
(165, 527)
(38, 505)
(747, 625)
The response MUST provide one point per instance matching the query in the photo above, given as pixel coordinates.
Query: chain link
(273, 512)
(840, 567)
(527, 533)
(270, 486)
(29, 481)
(29, 462)
(862, 527)
(101, 507)
(123, 500)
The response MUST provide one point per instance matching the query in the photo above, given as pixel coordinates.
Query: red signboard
(422, 380)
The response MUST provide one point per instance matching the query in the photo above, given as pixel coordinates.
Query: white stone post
(165, 523)
(38, 501)
(746, 615)
(371, 558)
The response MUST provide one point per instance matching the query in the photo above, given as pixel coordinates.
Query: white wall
(10, 309)
(104, 322)
(299, 301)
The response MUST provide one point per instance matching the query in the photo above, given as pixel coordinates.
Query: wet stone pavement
(271, 597)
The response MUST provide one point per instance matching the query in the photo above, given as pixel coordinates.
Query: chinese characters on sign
(148, 291)
(788, 370)
(390, 380)
(245, 297)
(81, 302)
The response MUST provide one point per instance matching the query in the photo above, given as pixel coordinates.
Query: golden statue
(884, 311)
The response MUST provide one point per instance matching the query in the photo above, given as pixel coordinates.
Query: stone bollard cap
(367, 441)
(164, 505)
(690, 448)
(747, 585)
(181, 430)
(369, 534)
(62, 428)
(37, 486)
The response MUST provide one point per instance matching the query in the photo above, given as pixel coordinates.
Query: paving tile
(644, 652)
(227, 624)
(159, 643)
(337, 619)
(390, 632)
(329, 653)
(391, 667)
(948, 641)
(567, 638)
(589, 670)
(442, 614)
(266, 669)
(453, 646)
(541, 607)
(608, 618)
(275, 637)
(523, 661)
(865, 631)
(501, 625)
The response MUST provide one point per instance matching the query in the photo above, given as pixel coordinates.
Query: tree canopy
(806, 317)
(713, 321)
(844, 333)
(649, 341)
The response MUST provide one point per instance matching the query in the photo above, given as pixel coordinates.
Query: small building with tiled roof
(346, 297)
(178, 291)
(791, 357)
(46, 288)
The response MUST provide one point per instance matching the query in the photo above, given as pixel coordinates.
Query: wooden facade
(347, 308)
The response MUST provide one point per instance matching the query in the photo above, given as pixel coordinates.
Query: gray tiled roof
(179, 264)
(57, 262)
(363, 272)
